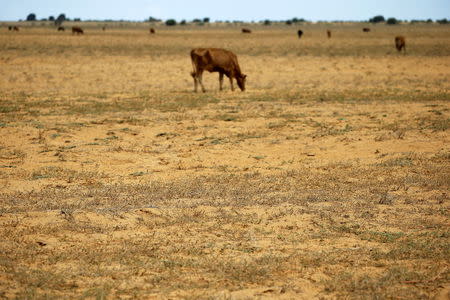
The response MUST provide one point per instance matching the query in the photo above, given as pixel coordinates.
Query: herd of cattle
(225, 62)
(220, 60)
(399, 40)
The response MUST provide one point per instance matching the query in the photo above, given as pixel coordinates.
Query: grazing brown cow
(15, 28)
(77, 30)
(246, 30)
(10, 28)
(329, 34)
(60, 28)
(299, 33)
(216, 60)
(152, 31)
(365, 29)
(400, 43)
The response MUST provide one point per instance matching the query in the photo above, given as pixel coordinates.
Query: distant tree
(442, 21)
(31, 17)
(267, 22)
(183, 22)
(377, 19)
(429, 21)
(51, 18)
(151, 19)
(392, 21)
(205, 20)
(43, 19)
(288, 22)
(196, 21)
(171, 22)
(60, 19)
(77, 20)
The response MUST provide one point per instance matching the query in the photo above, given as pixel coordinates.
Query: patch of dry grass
(328, 178)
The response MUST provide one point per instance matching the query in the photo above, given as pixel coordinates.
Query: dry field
(327, 179)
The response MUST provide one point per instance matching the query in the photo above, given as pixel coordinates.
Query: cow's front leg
(231, 83)
(200, 79)
(220, 80)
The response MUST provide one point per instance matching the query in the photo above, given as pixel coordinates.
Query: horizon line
(300, 20)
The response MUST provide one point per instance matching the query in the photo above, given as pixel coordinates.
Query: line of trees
(172, 22)
(375, 20)
(393, 21)
(58, 21)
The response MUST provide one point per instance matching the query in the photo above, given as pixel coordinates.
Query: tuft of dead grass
(327, 178)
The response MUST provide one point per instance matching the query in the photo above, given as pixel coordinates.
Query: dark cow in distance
(10, 28)
(61, 28)
(77, 30)
(299, 33)
(329, 34)
(15, 28)
(216, 60)
(246, 30)
(152, 31)
(365, 29)
(400, 43)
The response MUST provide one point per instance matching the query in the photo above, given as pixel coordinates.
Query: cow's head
(241, 81)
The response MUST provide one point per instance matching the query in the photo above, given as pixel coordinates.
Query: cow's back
(222, 57)
(213, 58)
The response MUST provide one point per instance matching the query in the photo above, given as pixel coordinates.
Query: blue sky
(247, 10)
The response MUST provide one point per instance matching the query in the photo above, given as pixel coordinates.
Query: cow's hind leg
(220, 80)
(194, 76)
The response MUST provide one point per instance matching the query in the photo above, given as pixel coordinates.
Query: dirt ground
(328, 178)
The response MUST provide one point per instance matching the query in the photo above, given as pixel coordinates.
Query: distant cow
(216, 60)
(365, 29)
(400, 43)
(77, 30)
(61, 28)
(104, 28)
(15, 28)
(10, 28)
(246, 30)
(152, 31)
(329, 34)
(299, 33)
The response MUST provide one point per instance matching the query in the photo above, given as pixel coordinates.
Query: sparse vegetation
(327, 178)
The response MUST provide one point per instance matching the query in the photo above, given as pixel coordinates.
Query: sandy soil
(327, 179)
